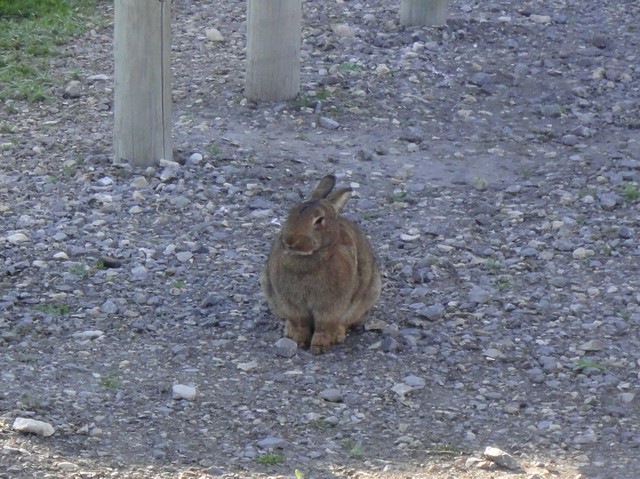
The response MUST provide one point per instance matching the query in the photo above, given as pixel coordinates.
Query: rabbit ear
(324, 187)
(338, 198)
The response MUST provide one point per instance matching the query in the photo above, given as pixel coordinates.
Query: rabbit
(321, 276)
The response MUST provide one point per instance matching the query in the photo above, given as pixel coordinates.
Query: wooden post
(142, 86)
(274, 36)
(422, 13)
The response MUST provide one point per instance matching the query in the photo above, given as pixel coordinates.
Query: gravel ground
(496, 168)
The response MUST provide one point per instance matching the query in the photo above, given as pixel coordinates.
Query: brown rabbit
(321, 277)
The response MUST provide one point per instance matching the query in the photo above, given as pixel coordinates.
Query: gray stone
(33, 426)
(286, 347)
(182, 391)
(73, 89)
(501, 458)
(433, 312)
(272, 443)
(328, 123)
(479, 295)
(109, 307)
(331, 395)
(414, 381)
(608, 201)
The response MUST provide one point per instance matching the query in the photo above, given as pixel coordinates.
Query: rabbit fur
(321, 276)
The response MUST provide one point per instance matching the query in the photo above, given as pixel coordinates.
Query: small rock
(375, 325)
(214, 35)
(92, 334)
(109, 307)
(493, 353)
(184, 256)
(409, 238)
(608, 201)
(140, 182)
(588, 437)
(73, 89)
(501, 458)
(271, 443)
(248, 366)
(181, 391)
(627, 397)
(432, 313)
(582, 253)
(17, 238)
(414, 381)
(569, 140)
(328, 123)
(67, 466)
(382, 69)
(402, 389)
(541, 19)
(343, 30)
(593, 345)
(331, 395)
(479, 295)
(33, 426)
(195, 158)
(389, 344)
(286, 347)
(479, 183)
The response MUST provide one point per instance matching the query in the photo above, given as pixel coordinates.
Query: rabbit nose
(298, 244)
(290, 241)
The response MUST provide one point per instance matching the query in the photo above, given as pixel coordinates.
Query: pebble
(414, 381)
(328, 123)
(272, 443)
(409, 238)
(542, 19)
(501, 458)
(109, 307)
(92, 334)
(286, 347)
(67, 466)
(343, 30)
(331, 395)
(33, 426)
(248, 366)
(402, 389)
(195, 159)
(16, 238)
(588, 437)
(479, 295)
(592, 345)
(181, 391)
(73, 89)
(582, 253)
(214, 35)
(433, 312)
(184, 256)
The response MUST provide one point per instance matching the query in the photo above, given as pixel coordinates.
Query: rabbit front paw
(299, 330)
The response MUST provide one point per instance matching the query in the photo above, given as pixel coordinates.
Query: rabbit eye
(319, 220)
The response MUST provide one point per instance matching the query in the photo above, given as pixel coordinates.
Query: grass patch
(214, 150)
(353, 448)
(630, 192)
(30, 33)
(445, 450)
(112, 381)
(349, 67)
(53, 309)
(80, 270)
(587, 363)
(270, 459)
